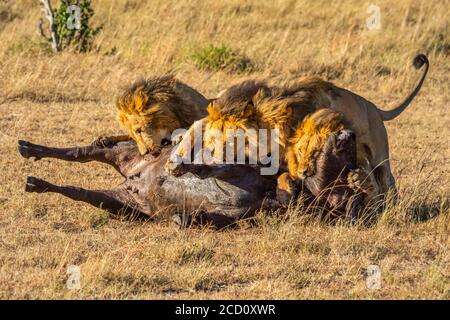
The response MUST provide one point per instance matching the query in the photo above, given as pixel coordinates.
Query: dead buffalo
(199, 194)
(217, 195)
(329, 191)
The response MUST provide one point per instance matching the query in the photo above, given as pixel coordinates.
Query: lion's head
(234, 109)
(309, 139)
(151, 109)
(250, 106)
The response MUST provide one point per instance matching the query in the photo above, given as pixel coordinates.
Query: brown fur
(329, 183)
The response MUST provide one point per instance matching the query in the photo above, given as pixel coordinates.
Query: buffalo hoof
(29, 150)
(36, 185)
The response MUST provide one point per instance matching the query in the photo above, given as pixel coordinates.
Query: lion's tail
(418, 62)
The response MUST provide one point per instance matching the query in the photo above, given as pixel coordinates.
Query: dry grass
(66, 99)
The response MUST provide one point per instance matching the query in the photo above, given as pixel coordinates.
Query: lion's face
(309, 140)
(150, 130)
(303, 154)
(218, 130)
(220, 137)
(151, 109)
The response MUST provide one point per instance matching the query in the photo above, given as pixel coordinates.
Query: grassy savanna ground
(67, 99)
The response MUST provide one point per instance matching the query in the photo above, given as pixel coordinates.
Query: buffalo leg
(109, 200)
(77, 154)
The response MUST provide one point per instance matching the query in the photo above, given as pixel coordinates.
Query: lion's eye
(138, 130)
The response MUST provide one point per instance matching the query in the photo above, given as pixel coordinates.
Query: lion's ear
(287, 108)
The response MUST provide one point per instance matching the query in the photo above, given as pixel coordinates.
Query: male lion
(150, 109)
(261, 106)
(305, 155)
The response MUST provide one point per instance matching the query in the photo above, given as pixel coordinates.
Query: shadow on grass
(424, 212)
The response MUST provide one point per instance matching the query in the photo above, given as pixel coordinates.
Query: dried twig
(41, 30)
(48, 12)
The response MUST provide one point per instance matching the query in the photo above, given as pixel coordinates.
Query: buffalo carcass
(329, 191)
(198, 194)
(216, 195)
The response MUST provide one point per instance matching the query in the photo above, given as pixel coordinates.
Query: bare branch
(48, 12)
(41, 30)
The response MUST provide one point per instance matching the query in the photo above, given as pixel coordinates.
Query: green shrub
(80, 38)
(221, 57)
(74, 30)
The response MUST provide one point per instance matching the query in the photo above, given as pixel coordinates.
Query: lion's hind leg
(366, 184)
(386, 181)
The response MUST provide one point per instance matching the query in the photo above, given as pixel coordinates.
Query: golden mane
(151, 109)
(310, 86)
(234, 108)
(159, 100)
(237, 100)
(252, 104)
(308, 140)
